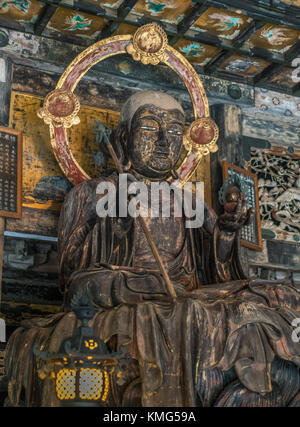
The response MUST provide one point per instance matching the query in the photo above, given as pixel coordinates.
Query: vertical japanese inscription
(10, 173)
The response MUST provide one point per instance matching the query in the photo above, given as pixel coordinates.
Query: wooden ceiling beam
(264, 80)
(296, 90)
(44, 18)
(14, 25)
(250, 81)
(211, 68)
(125, 8)
(78, 6)
(108, 30)
(292, 53)
(260, 80)
(188, 21)
(265, 76)
(113, 25)
(247, 33)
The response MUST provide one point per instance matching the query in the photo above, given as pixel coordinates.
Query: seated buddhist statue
(226, 340)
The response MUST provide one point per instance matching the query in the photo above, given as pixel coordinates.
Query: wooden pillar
(5, 90)
(229, 119)
(2, 229)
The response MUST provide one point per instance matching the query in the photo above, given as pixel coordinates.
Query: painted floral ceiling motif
(244, 65)
(197, 53)
(274, 38)
(77, 23)
(171, 11)
(26, 11)
(222, 23)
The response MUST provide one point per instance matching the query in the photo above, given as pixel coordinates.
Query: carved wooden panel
(278, 173)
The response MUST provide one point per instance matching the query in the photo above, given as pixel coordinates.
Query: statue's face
(155, 140)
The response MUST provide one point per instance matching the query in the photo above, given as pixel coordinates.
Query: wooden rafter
(296, 90)
(80, 6)
(247, 33)
(45, 17)
(113, 25)
(188, 21)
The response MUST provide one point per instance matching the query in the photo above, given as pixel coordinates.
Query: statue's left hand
(233, 221)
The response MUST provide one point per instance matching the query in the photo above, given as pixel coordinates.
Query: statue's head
(150, 133)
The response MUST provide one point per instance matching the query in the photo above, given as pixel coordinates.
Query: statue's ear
(121, 142)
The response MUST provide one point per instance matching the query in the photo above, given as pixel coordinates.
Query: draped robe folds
(221, 319)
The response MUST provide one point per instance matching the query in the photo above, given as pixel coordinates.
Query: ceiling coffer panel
(241, 41)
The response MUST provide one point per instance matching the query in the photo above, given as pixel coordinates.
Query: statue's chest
(168, 234)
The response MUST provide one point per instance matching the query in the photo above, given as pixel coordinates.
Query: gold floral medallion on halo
(201, 136)
(60, 108)
(149, 44)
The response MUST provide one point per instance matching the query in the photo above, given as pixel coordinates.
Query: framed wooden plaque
(250, 234)
(10, 173)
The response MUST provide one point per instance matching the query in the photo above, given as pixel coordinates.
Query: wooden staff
(143, 224)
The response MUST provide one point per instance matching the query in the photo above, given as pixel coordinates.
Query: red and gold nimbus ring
(201, 136)
(61, 107)
(150, 46)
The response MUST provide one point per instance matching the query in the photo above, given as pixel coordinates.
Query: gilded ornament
(157, 49)
(201, 136)
(60, 108)
(149, 44)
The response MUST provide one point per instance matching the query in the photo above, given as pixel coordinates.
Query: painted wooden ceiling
(252, 42)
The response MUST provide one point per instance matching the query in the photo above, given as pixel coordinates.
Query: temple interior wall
(30, 67)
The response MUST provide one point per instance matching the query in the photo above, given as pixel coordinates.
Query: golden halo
(59, 115)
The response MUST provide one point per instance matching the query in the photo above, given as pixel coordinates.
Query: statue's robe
(221, 322)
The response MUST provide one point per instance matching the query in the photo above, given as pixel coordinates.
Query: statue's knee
(97, 283)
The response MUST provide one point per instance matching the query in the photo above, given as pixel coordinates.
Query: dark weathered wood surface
(5, 83)
(35, 221)
(281, 130)
(27, 294)
(228, 118)
(2, 228)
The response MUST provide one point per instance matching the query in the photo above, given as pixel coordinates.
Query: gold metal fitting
(149, 44)
(60, 108)
(201, 136)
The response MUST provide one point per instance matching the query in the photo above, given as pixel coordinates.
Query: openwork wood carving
(278, 173)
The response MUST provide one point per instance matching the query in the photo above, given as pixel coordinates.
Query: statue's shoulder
(88, 187)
